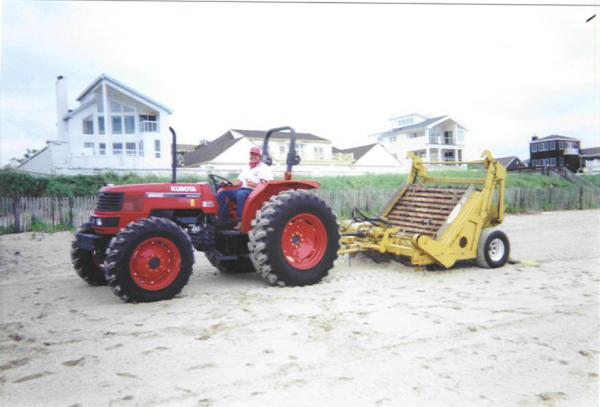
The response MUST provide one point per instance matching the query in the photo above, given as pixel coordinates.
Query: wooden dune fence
(21, 214)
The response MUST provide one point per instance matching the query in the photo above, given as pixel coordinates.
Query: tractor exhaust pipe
(174, 156)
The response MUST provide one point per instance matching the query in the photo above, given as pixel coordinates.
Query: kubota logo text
(181, 188)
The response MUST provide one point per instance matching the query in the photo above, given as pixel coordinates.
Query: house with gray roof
(229, 152)
(512, 163)
(591, 159)
(439, 138)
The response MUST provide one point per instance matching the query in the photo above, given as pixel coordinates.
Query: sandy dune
(369, 335)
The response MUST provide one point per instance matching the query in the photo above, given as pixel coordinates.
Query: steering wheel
(216, 181)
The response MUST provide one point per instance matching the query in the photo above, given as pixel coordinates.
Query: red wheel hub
(304, 241)
(155, 263)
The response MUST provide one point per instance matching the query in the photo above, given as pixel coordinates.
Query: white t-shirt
(260, 173)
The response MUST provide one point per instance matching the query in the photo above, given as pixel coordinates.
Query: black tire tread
(84, 264)
(117, 268)
(263, 227)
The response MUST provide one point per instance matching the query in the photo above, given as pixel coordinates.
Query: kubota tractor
(140, 238)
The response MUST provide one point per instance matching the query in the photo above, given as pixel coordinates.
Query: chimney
(62, 107)
(534, 137)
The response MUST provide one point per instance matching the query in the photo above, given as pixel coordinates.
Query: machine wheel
(88, 265)
(243, 265)
(294, 239)
(493, 249)
(150, 260)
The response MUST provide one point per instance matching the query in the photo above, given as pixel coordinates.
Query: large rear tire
(150, 260)
(294, 239)
(493, 249)
(87, 264)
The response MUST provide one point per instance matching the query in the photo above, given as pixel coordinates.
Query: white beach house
(435, 139)
(114, 128)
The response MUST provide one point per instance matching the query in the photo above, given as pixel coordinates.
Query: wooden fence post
(581, 197)
(16, 214)
(71, 217)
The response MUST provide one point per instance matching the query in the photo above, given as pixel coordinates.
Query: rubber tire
(483, 258)
(242, 265)
(84, 264)
(265, 238)
(124, 244)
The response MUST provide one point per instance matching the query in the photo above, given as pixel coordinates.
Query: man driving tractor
(255, 173)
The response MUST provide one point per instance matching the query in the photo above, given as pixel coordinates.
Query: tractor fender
(263, 192)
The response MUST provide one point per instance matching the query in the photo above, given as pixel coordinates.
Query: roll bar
(292, 157)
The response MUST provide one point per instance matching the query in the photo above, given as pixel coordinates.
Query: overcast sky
(337, 71)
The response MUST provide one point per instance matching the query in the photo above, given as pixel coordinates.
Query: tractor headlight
(98, 221)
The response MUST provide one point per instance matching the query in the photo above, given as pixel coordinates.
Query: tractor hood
(190, 188)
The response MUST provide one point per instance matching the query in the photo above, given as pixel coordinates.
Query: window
(300, 150)
(156, 148)
(88, 125)
(282, 151)
(148, 123)
(561, 161)
(319, 153)
(392, 139)
(100, 124)
(141, 148)
(534, 148)
(102, 148)
(459, 155)
(89, 148)
(117, 124)
(117, 148)
(130, 149)
(551, 145)
(552, 162)
(129, 124)
(122, 122)
(561, 145)
(448, 137)
(460, 134)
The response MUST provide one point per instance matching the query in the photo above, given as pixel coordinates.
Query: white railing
(149, 126)
(570, 151)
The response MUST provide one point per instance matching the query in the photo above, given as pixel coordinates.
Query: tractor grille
(109, 201)
(424, 210)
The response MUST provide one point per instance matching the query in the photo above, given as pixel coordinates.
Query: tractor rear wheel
(150, 260)
(242, 265)
(493, 249)
(88, 264)
(294, 239)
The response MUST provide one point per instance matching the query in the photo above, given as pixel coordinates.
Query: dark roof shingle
(278, 135)
(210, 150)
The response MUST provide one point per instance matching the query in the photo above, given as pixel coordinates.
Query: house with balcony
(439, 138)
(114, 128)
(555, 152)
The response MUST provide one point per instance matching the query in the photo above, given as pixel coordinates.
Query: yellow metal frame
(457, 239)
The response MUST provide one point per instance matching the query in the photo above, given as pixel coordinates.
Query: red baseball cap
(256, 150)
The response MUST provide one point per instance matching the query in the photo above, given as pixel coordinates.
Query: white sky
(337, 71)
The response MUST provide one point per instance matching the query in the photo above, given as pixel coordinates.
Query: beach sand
(368, 335)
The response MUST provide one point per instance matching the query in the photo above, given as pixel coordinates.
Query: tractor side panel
(264, 192)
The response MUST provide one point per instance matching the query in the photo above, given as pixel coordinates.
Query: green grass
(394, 181)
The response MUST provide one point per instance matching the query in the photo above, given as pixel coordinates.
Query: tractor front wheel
(88, 264)
(150, 260)
(294, 239)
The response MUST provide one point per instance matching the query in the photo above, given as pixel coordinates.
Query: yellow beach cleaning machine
(437, 220)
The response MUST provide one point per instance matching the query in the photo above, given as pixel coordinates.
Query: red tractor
(141, 238)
